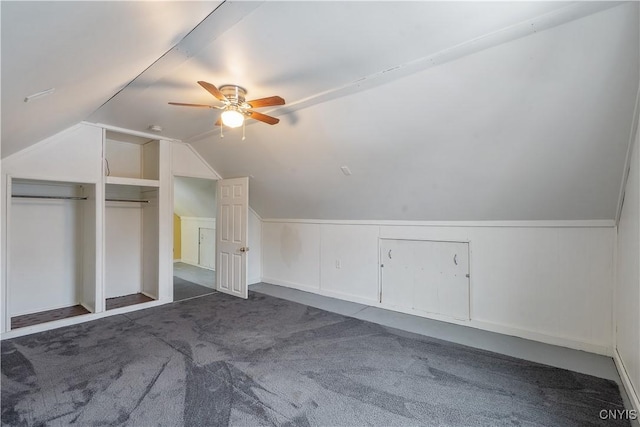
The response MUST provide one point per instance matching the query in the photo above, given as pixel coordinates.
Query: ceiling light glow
(232, 118)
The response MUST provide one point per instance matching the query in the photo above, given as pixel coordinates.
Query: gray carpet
(218, 360)
(183, 289)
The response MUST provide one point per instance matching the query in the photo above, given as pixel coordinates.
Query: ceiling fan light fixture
(232, 118)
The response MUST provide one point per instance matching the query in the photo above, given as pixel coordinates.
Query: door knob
(244, 249)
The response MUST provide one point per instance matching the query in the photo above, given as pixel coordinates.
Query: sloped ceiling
(86, 50)
(441, 110)
(194, 197)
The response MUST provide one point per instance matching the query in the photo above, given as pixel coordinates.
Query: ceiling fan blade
(219, 122)
(190, 105)
(213, 90)
(263, 117)
(266, 102)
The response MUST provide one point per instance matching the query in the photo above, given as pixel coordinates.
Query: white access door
(207, 247)
(232, 228)
(426, 276)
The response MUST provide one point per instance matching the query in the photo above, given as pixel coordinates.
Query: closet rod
(126, 200)
(26, 196)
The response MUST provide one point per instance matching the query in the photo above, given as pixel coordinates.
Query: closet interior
(131, 219)
(77, 248)
(51, 270)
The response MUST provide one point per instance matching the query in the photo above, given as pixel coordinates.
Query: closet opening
(194, 237)
(131, 245)
(51, 268)
(131, 218)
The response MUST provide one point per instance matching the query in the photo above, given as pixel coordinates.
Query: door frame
(172, 204)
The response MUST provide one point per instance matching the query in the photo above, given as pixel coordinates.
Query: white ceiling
(86, 50)
(194, 197)
(442, 110)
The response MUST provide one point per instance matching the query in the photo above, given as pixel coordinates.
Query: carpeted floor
(218, 360)
(183, 289)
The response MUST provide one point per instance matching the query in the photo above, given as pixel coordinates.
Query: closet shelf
(132, 181)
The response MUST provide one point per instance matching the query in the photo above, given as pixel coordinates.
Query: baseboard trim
(603, 350)
(626, 381)
(196, 265)
(478, 324)
(56, 307)
(320, 291)
(272, 281)
(28, 330)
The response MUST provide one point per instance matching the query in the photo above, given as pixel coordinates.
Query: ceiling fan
(236, 109)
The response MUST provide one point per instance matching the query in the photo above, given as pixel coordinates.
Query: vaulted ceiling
(441, 110)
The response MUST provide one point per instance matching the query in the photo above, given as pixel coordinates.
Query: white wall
(194, 197)
(190, 229)
(254, 260)
(185, 161)
(123, 249)
(627, 292)
(45, 255)
(74, 155)
(552, 284)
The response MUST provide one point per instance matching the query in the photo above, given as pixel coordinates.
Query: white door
(426, 276)
(231, 226)
(207, 248)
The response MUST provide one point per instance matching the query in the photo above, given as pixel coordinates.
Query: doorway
(194, 208)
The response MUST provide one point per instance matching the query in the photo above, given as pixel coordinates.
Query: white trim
(197, 265)
(62, 180)
(197, 218)
(154, 136)
(614, 292)
(6, 243)
(597, 223)
(542, 337)
(28, 330)
(627, 161)
(634, 398)
(53, 307)
(318, 291)
(120, 180)
(478, 324)
(251, 209)
(417, 239)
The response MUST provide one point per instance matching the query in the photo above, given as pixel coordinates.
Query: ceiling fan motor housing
(235, 94)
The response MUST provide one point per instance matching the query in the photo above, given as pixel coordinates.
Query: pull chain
(221, 135)
(243, 124)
